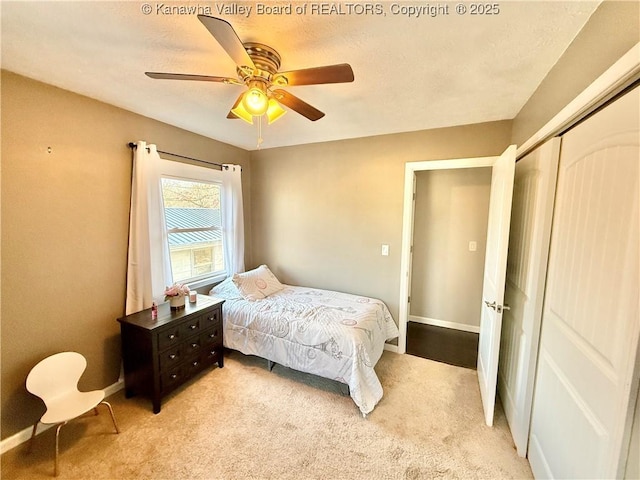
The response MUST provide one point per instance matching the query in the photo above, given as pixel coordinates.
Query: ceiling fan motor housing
(265, 59)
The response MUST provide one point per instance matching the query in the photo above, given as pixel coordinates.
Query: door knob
(501, 308)
(497, 308)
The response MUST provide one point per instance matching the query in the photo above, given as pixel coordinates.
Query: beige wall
(321, 212)
(65, 227)
(610, 33)
(451, 209)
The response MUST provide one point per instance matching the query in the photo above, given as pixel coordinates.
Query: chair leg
(113, 417)
(55, 467)
(33, 436)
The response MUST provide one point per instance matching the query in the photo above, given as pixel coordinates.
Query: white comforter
(331, 334)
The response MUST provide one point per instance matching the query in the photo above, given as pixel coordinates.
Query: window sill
(207, 281)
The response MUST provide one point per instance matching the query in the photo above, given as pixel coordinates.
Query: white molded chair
(55, 381)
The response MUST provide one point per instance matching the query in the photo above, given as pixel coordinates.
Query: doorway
(449, 240)
(502, 173)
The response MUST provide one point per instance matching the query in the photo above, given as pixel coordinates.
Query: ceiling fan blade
(341, 73)
(227, 37)
(294, 103)
(183, 76)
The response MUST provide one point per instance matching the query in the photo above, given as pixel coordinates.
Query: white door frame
(613, 81)
(410, 170)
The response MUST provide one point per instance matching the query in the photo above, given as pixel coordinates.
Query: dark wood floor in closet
(454, 347)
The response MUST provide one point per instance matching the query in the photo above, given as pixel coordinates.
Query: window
(193, 225)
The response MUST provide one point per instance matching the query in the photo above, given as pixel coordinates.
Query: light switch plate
(385, 250)
(473, 246)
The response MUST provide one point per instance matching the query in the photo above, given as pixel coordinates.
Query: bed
(330, 334)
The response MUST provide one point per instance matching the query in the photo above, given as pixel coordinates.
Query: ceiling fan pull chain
(259, 132)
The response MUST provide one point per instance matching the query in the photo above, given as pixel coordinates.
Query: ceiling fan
(257, 68)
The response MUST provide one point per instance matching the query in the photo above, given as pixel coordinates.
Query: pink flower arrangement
(176, 290)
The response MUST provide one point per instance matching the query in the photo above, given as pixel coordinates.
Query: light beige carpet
(244, 422)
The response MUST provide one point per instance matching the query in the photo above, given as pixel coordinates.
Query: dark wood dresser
(161, 354)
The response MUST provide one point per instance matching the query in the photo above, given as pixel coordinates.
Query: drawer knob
(172, 336)
(193, 327)
(173, 376)
(194, 345)
(212, 352)
(195, 364)
(211, 319)
(172, 356)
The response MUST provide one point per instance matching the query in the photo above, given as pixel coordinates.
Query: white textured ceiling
(411, 73)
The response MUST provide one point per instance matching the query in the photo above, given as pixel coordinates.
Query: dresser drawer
(170, 358)
(194, 365)
(169, 337)
(213, 336)
(190, 327)
(212, 354)
(211, 318)
(192, 346)
(172, 377)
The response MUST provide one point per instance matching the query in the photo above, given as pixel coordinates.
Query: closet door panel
(591, 324)
(531, 215)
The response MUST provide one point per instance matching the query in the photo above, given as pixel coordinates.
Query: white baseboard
(116, 387)
(391, 348)
(443, 323)
(24, 435)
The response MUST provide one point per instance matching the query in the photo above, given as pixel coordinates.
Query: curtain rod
(132, 145)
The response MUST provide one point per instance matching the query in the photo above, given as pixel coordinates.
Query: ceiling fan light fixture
(240, 112)
(255, 100)
(275, 111)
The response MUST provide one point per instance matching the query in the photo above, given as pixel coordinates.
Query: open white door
(495, 268)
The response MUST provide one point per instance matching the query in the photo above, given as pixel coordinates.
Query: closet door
(590, 325)
(534, 192)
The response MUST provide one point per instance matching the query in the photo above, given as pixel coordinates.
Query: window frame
(189, 172)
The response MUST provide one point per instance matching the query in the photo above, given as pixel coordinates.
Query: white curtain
(233, 219)
(148, 268)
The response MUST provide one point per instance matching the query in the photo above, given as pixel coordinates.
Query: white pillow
(257, 284)
(225, 289)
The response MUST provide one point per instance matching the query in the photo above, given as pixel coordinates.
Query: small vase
(177, 302)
